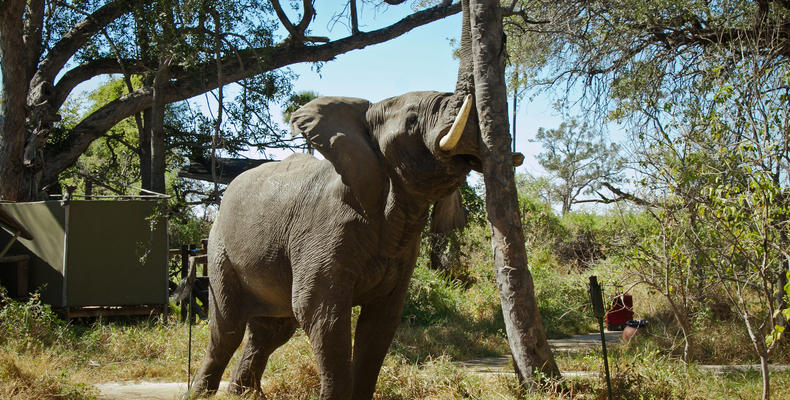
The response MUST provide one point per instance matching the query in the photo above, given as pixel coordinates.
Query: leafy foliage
(30, 324)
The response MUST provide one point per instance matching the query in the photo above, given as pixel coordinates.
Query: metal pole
(598, 309)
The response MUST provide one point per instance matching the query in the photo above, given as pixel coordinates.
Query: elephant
(302, 241)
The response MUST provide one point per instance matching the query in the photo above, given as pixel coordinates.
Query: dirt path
(502, 364)
(144, 390)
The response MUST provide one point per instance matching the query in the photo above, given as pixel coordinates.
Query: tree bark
(14, 180)
(158, 161)
(764, 372)
(523, 323)
(144, 135)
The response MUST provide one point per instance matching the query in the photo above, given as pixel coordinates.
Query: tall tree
(579, 159)
(48, 48)
(526, 335)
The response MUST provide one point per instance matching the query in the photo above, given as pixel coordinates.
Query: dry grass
(445, 322)
(143, 350)
(24, 378)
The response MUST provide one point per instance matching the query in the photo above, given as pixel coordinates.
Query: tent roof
(13, 225)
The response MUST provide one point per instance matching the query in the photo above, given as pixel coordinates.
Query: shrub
(581, 246)
(431, 298)
(562, 301)
(30, 323)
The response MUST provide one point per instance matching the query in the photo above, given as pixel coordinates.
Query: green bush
(186, 228)
(562, 301)
(542, 229)
(30, 323)
(432, 298)
(582, 245)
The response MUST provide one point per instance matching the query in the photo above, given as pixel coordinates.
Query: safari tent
(89, 253)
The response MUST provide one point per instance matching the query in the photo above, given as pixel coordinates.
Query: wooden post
(184, 273)
(204, 244)
(523, 324)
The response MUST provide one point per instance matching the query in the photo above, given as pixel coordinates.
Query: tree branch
(354, 22)
(74, 39)
(86, 71)
(296, 31)
(624, 196)
(511, 12)
(309, 13)
(200, 78)
(284, 19)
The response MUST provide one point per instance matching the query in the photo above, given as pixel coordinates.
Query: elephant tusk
(450, 140)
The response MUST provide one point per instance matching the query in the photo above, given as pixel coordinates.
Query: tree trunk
(14, 180)
(566, 205)
(158, 159)
(523, 323)
(781, 281)
(144, 123)
(145, 151)
(766, 380)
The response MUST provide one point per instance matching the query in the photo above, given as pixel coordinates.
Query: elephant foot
(244, 391)
(198, 390)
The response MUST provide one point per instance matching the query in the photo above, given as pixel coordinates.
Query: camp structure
(87, 257)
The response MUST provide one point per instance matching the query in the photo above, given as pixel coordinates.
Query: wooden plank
(226, 169)
(115, 311)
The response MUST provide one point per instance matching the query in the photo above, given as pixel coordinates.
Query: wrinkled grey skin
(299, 242)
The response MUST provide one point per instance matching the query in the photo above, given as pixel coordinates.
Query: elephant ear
(338, 129)
(448, 214)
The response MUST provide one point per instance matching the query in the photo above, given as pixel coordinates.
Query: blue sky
(419, 60)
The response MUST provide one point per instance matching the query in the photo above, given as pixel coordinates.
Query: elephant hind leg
(264, 335)
(226, 324)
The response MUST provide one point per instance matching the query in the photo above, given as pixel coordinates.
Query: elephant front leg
(376, 327)
(326, 319)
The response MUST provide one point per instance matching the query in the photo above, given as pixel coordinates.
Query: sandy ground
(144, 390)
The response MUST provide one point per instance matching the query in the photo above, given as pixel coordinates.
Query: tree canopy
(178, 48)
(701, 90)
(579, 159)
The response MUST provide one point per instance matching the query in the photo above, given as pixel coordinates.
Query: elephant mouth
(470, 161)
(475, 163)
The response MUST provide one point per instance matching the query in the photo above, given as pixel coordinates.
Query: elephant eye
(411, 120)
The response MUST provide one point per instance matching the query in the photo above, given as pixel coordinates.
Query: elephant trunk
(460, 104)
(465, 84)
